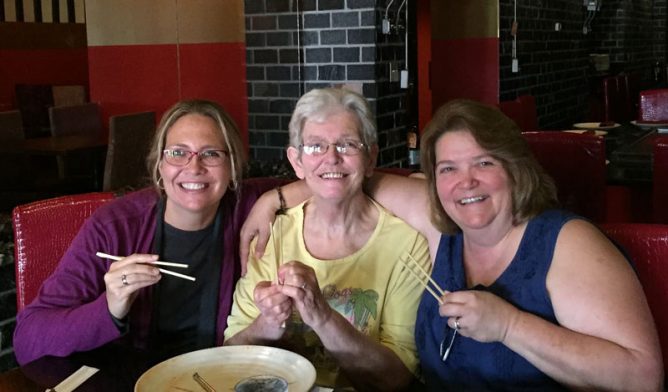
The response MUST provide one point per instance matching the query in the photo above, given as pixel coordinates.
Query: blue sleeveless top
(476, 366)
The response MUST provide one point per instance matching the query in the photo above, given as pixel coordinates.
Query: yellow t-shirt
(370, 288)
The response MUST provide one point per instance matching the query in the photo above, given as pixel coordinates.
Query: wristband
(281, 201)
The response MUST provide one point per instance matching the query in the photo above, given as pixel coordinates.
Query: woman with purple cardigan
(193, 215)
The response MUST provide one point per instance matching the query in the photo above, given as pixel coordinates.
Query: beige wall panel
(211, 21)
(47, 11)
(10, 11)
(464, 19)
(79, 11)
(28, 11)
(62, 9)
(131, 22)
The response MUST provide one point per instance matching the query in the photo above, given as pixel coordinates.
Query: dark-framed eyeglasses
(344, 147)
(182, 157)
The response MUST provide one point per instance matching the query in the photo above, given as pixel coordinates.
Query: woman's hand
(300, 283)
(479, 315)
(275, 307)
(257, 225)
(124, 279)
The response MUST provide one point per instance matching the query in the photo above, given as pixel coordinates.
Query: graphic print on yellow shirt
(358, 306)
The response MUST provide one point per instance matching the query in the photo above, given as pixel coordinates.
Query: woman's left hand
(479, 315)
(300, 283)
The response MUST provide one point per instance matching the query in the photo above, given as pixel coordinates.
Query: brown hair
(532, 190)
(202, 107)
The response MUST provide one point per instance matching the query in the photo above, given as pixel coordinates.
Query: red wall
(40, 53)
(465, 68)
(132, 78)
(464, 51)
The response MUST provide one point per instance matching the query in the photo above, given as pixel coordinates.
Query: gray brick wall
(295, 46)
(554, 65)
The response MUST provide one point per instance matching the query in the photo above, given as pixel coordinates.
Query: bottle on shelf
(413, 148)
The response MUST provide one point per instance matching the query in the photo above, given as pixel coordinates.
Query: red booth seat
(522, 110)
(660, 180)
(647, 247)
(43, 231)
(576, 162)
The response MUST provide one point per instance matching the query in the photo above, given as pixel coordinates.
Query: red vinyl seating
(43, 231)
(647, 246)
(660, 180)
(522, 110)
(613, 106)
(576, 162)
(653, 105)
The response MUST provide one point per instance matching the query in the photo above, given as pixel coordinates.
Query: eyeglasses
(448, 336)
(344, 147)
(181, 157)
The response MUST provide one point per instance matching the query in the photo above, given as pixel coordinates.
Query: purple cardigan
(70, 313)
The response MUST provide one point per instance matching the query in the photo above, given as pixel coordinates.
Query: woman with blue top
(535, 298)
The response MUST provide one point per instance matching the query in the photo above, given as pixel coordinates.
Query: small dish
(648, 125)
(262, 384)
(596, 132)
(595, 125)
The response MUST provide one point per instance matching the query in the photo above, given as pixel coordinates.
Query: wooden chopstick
(157, 262)
(202, 383)
(423, 282)
(427, 274)
(164, 271)
(278, 254)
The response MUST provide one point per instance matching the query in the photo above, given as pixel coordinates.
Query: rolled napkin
(74, 380)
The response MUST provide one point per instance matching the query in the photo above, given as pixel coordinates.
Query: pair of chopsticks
(424, 278)
(163, 263)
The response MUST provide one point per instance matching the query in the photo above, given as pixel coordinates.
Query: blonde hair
(202, 107)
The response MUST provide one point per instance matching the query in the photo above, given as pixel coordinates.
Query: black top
(185, 312)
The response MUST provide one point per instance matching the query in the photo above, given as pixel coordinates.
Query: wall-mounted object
(592, 7)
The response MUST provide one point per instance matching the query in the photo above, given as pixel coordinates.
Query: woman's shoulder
(139, 202)
(551, 222)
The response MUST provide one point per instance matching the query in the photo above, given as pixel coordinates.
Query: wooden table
(58, 145)
(61, 147)
(120, 367)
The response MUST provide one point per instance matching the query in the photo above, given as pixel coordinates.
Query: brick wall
(295, 46)
(554, 65)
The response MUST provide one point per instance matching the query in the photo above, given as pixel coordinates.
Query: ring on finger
(303, 286)
(124, 279)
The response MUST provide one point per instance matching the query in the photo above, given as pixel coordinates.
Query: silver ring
(124, 279)
(303, 286)
(457, 323)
